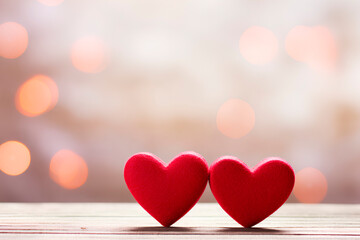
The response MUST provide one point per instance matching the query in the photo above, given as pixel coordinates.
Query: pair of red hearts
(168, 192)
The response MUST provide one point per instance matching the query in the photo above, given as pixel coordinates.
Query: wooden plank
(205, 221)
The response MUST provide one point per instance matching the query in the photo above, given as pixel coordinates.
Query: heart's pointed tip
(166, 224)
(248, 226)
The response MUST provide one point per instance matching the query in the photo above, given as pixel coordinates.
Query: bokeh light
(13, 40)
(14, 158)
(68, 169)
(36, 96)
(315, 46)
(235, 118)
(310, 186)
(298, 43)
(50, 2)
(258, 45)
(88, 54)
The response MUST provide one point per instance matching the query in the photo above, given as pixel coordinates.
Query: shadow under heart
(202, 231)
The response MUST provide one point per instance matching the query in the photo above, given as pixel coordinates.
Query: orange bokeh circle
(310, 186)
(235, 118)
(37, 95)
(258, 45)
(13, 40)
(88, 54)
(14, 158)
(68, 169)
(315, 46)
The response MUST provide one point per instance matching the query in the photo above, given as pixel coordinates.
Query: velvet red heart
(166, 192)
(250, 196)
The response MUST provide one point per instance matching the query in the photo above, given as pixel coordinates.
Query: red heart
(166, 192)
(250, 196)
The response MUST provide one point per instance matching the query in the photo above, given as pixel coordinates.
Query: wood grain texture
(204, 221)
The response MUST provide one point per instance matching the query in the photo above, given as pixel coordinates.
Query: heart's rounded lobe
(250, 196)
(166, 192)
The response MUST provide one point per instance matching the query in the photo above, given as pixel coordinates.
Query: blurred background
(86, 84)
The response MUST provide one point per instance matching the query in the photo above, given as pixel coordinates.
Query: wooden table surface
(204, 221)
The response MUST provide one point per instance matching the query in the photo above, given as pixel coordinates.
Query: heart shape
(250, 196)
(166, 192)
